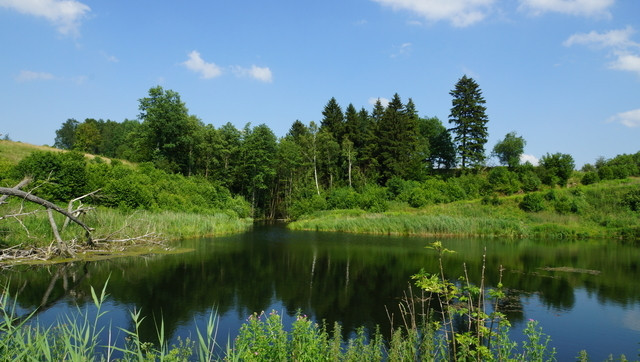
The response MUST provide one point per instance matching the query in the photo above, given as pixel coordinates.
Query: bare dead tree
(62, 246)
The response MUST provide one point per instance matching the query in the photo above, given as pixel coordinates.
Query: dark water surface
(586, 294)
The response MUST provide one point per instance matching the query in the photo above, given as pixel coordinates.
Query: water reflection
(335, 277)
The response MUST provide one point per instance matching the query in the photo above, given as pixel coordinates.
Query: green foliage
(529, 180)
(374, 199)
(632, 200)
(469, 119)
(510, 149)
(66, 135)
(533, 202)
(590, 178)
(504, 181)
(167, 133)
(556, 169)
(60, 176)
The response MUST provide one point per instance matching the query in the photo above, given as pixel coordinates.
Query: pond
(586, 294)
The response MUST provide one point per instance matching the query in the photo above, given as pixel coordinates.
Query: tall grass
(593, 211)
(113, 224)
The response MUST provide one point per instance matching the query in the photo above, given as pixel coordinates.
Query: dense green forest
(351, 159)
(362, 159)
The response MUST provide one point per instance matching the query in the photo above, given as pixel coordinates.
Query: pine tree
(333, 120)
(398, 140)
(469, 117)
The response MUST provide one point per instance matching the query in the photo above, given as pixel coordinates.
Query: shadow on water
(330, 276)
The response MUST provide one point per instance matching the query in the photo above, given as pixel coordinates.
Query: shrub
(532, 202)
(342, 198)
(632, 200)
(556, 169)
(590, 178)
(374, 199)
(605, 173)
(530, 181)
(60, 175)
(504, 181)
(417, 198)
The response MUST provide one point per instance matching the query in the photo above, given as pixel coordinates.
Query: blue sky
(564, 74)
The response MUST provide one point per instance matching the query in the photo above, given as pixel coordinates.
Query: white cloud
(630, 119)
(28, 76)
(460, 13)
(619, 39)
(628, 62)
(619, 44)
(262, 74)
(197, 64)
(66, 15)
(569, 7)
(383, 101)
(529, 158)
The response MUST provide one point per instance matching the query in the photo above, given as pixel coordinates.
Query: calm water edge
(586, 294)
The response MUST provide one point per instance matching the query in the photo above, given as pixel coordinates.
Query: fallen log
(49, 205)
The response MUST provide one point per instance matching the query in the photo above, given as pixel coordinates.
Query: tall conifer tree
(470, 121)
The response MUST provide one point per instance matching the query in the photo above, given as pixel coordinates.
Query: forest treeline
(351, 159)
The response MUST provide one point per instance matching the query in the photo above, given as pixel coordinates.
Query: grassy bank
(114, 226)
(594, 211)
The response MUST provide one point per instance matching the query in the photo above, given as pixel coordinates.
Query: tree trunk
(49, 205)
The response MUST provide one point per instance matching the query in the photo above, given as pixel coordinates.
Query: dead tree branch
(49, 205)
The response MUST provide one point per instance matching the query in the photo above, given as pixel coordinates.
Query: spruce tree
(398, 140)
(333, 119)
(470, 120)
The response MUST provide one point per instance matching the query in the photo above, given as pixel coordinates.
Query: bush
(590, 178)
(556, 169)
(605, 173)
(61, 176)
(532, 202)
(374, 199)
(417, 198)
(504, 181)
(632, 200)
(342, 198)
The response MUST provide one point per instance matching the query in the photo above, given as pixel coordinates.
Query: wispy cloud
(30, 76)
(109, 58)
(630, 119)
(262, 74)
(383, 101)
(459, 13)
(591, 8)
(619, 39)
(208, 70)
(66, 15)
(403, 50)
(618, 43)
(196, 64)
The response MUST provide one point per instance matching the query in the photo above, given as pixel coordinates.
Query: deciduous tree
(510, 149)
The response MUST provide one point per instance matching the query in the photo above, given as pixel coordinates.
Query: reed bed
(594, 211)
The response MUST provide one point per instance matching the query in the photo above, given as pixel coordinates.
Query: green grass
(34, 230)
(593, 211)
